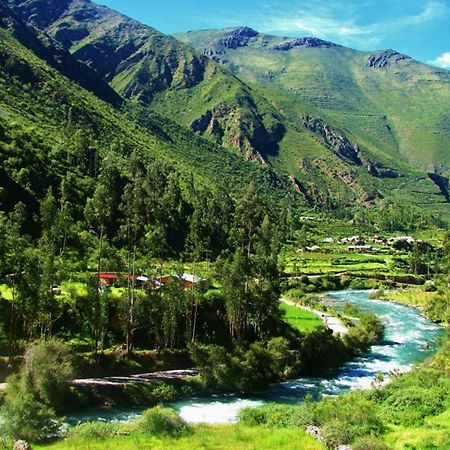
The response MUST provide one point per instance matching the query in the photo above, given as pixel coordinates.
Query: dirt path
(332, 322)
(139, 378)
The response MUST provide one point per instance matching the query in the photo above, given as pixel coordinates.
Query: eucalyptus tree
(99, 212)
(132, 231)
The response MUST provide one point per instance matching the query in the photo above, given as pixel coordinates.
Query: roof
(109, 276)
(191, 278)
(142, 278)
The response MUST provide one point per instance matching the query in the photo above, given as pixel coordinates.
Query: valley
(222, 227)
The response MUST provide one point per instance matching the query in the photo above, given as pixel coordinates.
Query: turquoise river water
(402, 348)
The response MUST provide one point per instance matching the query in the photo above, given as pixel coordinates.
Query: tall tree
(99, 211)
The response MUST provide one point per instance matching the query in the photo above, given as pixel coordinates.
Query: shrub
(24, 417)
(411, 405)
(347, 418)
(278, 416)
(336, 433)
(48, 366)
(162, 421)
(94, 430)
(28, 411)
(254, 416)
(370, 443)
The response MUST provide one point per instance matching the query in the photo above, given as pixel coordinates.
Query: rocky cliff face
(335, 141)
(241, 128)
(239, 37)
(307, 42)
(386, 59)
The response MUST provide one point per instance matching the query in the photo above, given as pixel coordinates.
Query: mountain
(395, 111)
(342, 125)
(144, 65)
(59, 119)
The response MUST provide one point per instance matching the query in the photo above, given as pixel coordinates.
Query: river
(402, 347)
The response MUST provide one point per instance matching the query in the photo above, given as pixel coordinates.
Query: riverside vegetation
(175, 165)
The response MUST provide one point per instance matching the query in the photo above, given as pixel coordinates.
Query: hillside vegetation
(341, 124)
(392, 110)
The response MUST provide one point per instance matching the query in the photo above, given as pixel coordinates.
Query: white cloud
(442, 61)
(302, 26)
(340, 21)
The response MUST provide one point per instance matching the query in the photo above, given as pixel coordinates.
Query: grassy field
(300, 319)
(434, 434)
(413, 297)
(203, 437)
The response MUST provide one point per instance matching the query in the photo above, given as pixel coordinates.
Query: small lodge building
(108, 279)
(189, 281)
(143, 282)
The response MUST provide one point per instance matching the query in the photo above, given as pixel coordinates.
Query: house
(379, 240)
(164, 280)
(362, 249)
(314, 248)
(352, 240)
(187, 279)
(190, 281)
(408, 239)
(108, 279)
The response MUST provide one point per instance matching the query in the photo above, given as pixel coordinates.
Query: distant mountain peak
(237, 37)
(308, 42)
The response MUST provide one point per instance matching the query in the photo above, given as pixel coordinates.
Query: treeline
(244, 366)
(134, 220)
(391, 216)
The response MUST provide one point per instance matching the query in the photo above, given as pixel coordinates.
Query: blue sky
(419, 28)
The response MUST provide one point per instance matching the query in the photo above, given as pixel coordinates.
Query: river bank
(400, 350)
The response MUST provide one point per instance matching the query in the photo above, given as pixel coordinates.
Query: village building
(362, 249)
(352, 240)
(187, 279)
(108, 279)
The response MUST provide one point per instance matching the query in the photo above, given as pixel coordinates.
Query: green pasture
(301, 319)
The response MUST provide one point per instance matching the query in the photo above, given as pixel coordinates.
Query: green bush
(28, 411)
(346, 418)
(336, 433)
(48, 366)
(154, 392)
(162, 421)
(24, 417)
(410, 406)
(94, 431)
(244, 367)
(278, 416)
(370, 443)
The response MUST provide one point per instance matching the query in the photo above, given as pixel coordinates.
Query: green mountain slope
(394, 109)
(146, 66)
(53, 132)
(397, 104)
(303, 109)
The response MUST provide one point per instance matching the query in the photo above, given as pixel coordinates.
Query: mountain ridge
(295, 111)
